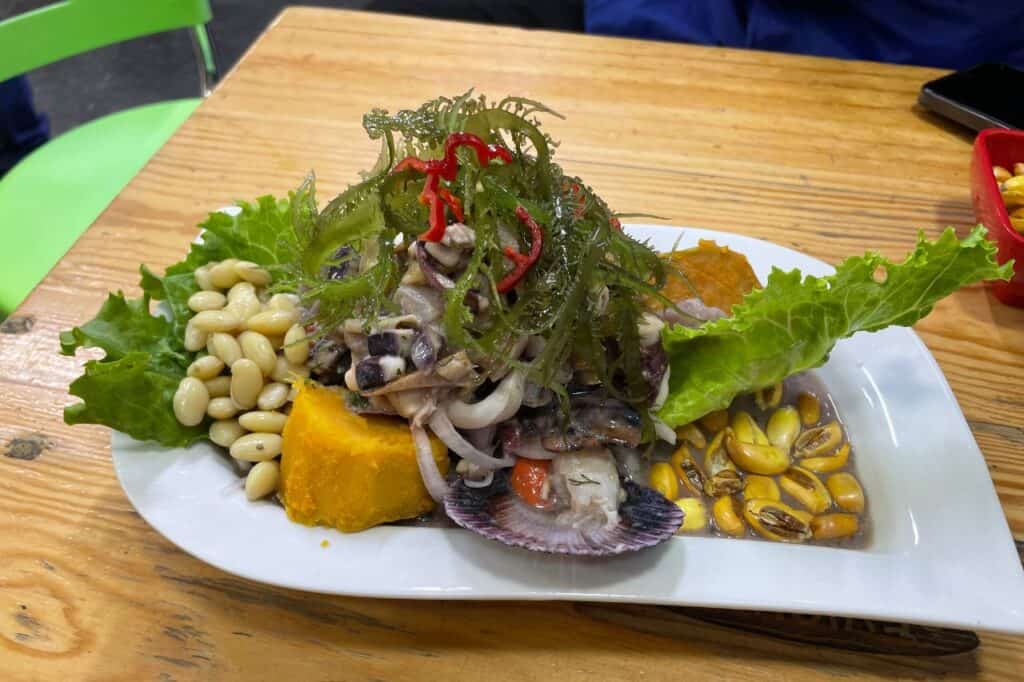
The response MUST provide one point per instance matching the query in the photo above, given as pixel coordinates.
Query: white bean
(225, 432)
(202, 275)
(206, 300)
(273, 396)
(218, 387)
(284, 302)
(296, 346)
(223, 275)
(245, 306)
(195, 338)
(206, 367)
(257, 348)
(190, 401)
(211, 321)
(257, 447)
(225, 347)
(246, 382)
(241, 290)
(286, 372)
(250, 272)
(262, 480)
(262, 421)
(222, 408)
(272, 321)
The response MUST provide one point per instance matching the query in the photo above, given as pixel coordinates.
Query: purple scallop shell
(646, 519)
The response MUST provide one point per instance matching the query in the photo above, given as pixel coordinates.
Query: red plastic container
(998, 147)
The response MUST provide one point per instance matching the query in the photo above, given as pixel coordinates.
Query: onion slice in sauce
(443, 429)
(432, 478)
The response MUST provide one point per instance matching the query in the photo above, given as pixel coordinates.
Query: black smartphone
(984, 96)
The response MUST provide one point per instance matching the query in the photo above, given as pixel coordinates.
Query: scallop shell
(647, 519)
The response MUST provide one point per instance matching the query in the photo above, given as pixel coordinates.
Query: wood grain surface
(828, 157)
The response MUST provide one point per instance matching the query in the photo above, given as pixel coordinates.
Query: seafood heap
(564, 385)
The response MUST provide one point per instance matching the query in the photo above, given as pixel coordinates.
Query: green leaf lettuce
(792, 323)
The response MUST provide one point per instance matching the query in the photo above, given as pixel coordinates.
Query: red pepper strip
(411, 162)
(430, 197)
(449, 165)
(615, 223)
(523, 261)
(433, 195)
(454, 203)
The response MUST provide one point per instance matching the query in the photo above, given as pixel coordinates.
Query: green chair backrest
(63, 29)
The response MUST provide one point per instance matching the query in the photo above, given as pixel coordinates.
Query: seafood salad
(470, 329)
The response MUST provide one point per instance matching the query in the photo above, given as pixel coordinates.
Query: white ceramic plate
(940, 552)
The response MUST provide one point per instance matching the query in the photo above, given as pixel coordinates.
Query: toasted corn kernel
(721, 475)
(695, 514)
(663, 479)
(777, 521)
(1018, 168)
(728, 515)
(1015, 197)
(806, 488)
(715, 421)
(725, 482)
(757, 459)
(832, 462)
(761, 488)
(1014, 184)
(746, 429)
(817, 441)
(769, 397)
(686, 469)
(691, 433)
(809, 408)
(1001, 173)
(832, 526)
(846, 491)
(783, 428)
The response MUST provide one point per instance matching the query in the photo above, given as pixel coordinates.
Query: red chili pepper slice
(523, 261)
(453, 202)
(437, 197)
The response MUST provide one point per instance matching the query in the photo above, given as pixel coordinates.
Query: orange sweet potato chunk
(720, 276)
(350, 471)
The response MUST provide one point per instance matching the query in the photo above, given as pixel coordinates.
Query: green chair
(51, 196)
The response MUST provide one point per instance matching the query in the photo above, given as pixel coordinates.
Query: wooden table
(825, 156)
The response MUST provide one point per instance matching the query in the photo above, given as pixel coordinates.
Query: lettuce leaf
(131, 388)
(792, 323)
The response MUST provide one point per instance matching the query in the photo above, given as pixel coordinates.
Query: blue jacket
(946, 33)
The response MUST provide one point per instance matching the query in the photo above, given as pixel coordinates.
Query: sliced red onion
(501, 404)
(443, 429)
(432, 478)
